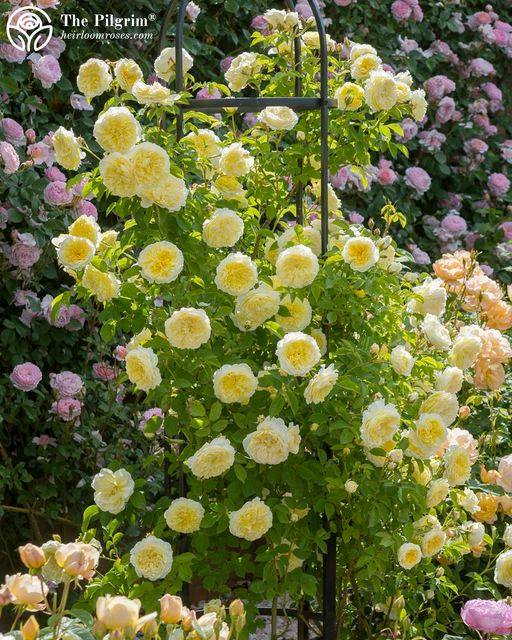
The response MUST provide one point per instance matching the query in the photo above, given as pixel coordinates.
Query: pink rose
(204, 94)
(225, 63)
(260, 24)
(420, 257)
(445, 110)
(76, 318)
(407, 45)
(506, 151)
(475, 146)
(11, 54)
(432, 139)
(479, 67)
(488, 616)
(47, 4)
(410, 129)
(44, 441)
(66, 384)
(55, 47)
(79, 102)
(13, 132)
(26, 376)
(304, 10)
(462, 438)
(418, 179)
(355, 218)
(401, 10)
(46, 69)
(68, 409)
(40, 153)
(454, 224)
(479, 19)
(9, 157)
(193, 11)
(150, 413)
(31, 135)
(85, 208)
(438, 86)
(385, 174)
(120, 352)
(54, 174)
(493, 92)
(498, 184)
(56, 194)
(103, 371)
(339, 179)
(24, 254)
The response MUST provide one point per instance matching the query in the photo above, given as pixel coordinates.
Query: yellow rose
(75, 252)
(380, 91)
(272, 441)
(112, 490)
(358, 50)
(360, 253)
(171, 194)
(278, 118)
(118, 174)
(229, 188)
(85, 227)
(188, 328)
(118, 612)
(27, 590)
(443, 404)
(236, 274)
(428, 436)
(251, 521)
(349, 96)
(503, 569)
(234, 383)
(418, 104)
(401, 360)
(363, 66)
(320, 339)
(212, 459)
(235, 161)
(127, 72)
(117, 130)
(309, 236)
(150, 164)
(93, 77)
(184, 515)
(223, 229)
(142, 368)
(160, 262)
(297, 353)
(300, 314)
(409, 555)
(437, 492)
(66, 149)
(152, 558)
(457, 463)
(103, 285)
(321, 385)
(154, 93)
(380, 422)
(165, 64)
(403, 91)
(255, 307)
(205, 142)
(297, 266)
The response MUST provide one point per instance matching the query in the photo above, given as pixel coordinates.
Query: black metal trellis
(298, 102)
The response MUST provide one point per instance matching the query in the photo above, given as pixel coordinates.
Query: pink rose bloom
(420, 257)
(120, 352)
(505, 471)
(66, 384)
(410, 129)
(418, 179)
(9, 157)
(401, 10)
(343, 3)
(103, 371)
(498, 184)
(44, 441)
(506, 151)
(454, 224)
(339, 179)
(13, 132)
(11, 54)
(56, 194)
(31, 135)
(304, 10)
(355, 218)
(76, 315)
(79, 102)
(480, 67)
(452, 201)
(40, 153)
(47, 4)
(479, 19)
(260, 24)
(26, 376)
(68, 409)
(22, 297)
(462, 438)
(204, 94)
(24, 255)
(432, 139)
(475, 146)
(445, 110)
(225, 63)
(488, 616)
(193, 11)
(148, 414)
(408, 44)
(85, 208)
(385, 174)
(55, 47)
(500, 37)
(471, 239)
(54, 174)
(250, 119)
(46, 69)
(438, 86)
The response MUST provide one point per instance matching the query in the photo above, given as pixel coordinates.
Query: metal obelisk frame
(297, 103)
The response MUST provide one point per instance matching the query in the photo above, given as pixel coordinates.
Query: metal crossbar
(253, 104)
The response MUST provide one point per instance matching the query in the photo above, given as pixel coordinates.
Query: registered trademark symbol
(152, 17)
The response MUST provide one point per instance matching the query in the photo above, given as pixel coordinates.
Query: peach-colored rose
(78, 559)
(505, 470)
(481, 291)
(464, 412)
(27, 590)
(32, 557)
(490, 476)
(499, 316)
(487, 508)
(453, 267)
(505, 503)
(488, 375)
(462, 438)
(495, 346)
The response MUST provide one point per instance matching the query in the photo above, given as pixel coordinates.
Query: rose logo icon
(29, 29)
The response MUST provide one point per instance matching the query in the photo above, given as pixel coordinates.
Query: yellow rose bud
(30, 629)
(32, 557)
(236, 608)
(171, 609)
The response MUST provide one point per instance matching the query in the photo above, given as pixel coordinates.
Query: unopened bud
(236, 608)
(150, 629)
(32, 557)
(30, 630)
(171, 608)
(464, 412)
(187, 620)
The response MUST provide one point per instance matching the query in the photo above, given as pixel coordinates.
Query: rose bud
(30, 630)
(32, 557)
(171, 608)
(236, 608)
